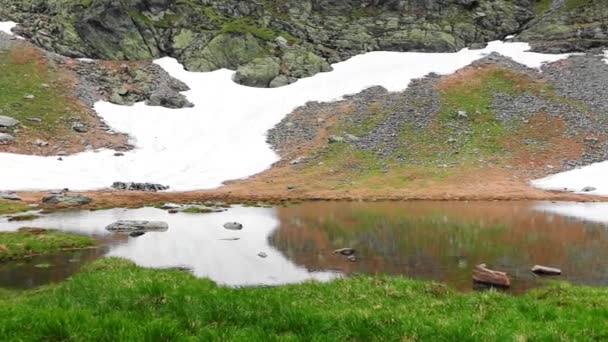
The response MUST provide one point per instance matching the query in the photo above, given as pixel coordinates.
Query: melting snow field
(594, 176)
(224, 136)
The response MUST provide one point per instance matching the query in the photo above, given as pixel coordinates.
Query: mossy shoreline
(30, 242)
(112, 299)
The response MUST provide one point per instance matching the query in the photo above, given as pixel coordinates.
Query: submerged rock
(133, 226)
(66, 199)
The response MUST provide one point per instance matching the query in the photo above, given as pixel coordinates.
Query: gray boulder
(7, 121)
(259, 73)
(66, 199)
(6, 139)
(11, 196)
(134, 226)
(233, 226)
(131, 186)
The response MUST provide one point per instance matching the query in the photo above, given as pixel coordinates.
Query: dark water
(439, 241)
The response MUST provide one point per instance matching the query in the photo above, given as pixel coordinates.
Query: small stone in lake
(119, 154)
(544, 270)
(589, 189)
(230, 239)
(486, 276)
(130, 226)
(173, 211)
(263, 255)
(345, 251)
(233, 226)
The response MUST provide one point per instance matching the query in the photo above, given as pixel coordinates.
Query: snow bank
(7, 26)
(594, 176)
(223, 136)
(589, 212)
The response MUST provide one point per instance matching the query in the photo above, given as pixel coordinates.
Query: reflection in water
(437, 241)
(444, 241)
(195, 241)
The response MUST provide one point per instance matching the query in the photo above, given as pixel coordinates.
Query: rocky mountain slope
(273, 43)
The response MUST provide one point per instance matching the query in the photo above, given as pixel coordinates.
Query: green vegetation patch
(28, 242)
(116, 301)
(11, 207)
(31, 89)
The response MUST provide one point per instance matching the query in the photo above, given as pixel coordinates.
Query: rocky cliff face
(269, 43)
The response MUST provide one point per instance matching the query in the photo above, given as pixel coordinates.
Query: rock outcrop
(270, 43)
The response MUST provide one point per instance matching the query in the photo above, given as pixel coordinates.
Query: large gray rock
(132, 186)
(7, 121)
(66, 199)
(259, 73)
(6, 139)
(11, 196)
(132, 226)
(233, 226)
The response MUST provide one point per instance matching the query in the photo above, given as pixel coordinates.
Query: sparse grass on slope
(28, 242)
(113, 300)
(24, 72)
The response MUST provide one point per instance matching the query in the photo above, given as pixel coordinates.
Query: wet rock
(544, 270)
(7, 121)
(6, 139)
(588, 189)
(136, 226)
(233, 226)
(65, 199)
(263, 255)
(136, 234)
(11, 196)
(345, 251)
(168, 206)
(485, 276)
(131, 186)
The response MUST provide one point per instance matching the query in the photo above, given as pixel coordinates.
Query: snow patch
(589, 212)
(594, 176)
(224, 136)
(7, 26)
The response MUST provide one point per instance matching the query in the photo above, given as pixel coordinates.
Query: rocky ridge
(269, 43)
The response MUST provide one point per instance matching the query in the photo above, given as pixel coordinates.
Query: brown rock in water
(544, 270)
(486, 276)
(345, 251)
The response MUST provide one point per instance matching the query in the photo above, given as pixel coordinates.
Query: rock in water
(137, 234)
(544, 270)
(132, 226)
(233, 226)
(130, 186)
(588, 189)
(263, 255)
(7, 121)
(345, 251)
(67, 199)
(486, 276)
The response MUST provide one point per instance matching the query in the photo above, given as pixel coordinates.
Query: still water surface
(439, 241)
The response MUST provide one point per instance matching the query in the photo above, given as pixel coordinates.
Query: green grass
(542, 6)
(28, 242)
(25, 72)
(11, 207)
(113, 300)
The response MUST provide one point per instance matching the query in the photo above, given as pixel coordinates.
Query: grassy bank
(115, 300)
(32, 241)
(11, 207)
